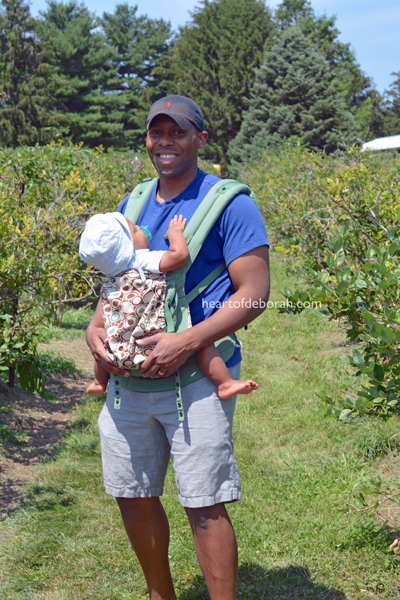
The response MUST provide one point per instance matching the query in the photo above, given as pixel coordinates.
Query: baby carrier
(176, 301)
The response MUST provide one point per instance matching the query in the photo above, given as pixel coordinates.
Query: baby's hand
(176, 223)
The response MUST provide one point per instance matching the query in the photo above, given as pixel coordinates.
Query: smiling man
(139, 438)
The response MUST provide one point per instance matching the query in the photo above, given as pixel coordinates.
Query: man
(137, 440)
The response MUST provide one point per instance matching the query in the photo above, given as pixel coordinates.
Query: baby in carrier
(133, 295)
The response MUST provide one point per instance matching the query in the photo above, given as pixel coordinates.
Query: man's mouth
(166, 157)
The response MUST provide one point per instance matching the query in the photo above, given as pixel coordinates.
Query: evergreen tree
(27, 114)
(139, 43)
(213, 61)
(293, 95)
(350, 81)
(392, 113)
(84, 64)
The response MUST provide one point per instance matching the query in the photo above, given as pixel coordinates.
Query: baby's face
(140, 239)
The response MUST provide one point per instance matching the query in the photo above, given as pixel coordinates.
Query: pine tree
(27, 112)
(293, 95)
(139, 43)
(213, 61)
(392, 116)
(350, 82)
(84, 64)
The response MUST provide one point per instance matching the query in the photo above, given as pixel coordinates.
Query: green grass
(53, 361)
(73, 324)
(298, 468)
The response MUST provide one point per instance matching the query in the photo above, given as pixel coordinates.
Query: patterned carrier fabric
(132, 309)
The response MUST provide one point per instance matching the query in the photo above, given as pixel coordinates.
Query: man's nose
(166, 139)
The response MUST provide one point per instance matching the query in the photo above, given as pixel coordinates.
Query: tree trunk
(11, 368)
(11, 376)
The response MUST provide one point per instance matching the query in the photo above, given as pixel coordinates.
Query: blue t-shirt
(239, 229)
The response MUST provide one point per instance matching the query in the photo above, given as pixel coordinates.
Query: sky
(372, 28)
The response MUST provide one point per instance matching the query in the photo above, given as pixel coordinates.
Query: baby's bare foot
(97, 387)
(234, 386)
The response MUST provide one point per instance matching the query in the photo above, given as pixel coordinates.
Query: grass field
(298, 469)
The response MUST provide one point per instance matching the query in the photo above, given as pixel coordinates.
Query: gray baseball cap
(181, 109)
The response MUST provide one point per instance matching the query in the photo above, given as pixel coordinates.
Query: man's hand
(250, 277)
(96, 339)
(177, 223)
(168, 355)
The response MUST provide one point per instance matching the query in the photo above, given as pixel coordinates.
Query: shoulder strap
(138, 198)
(200, 287)
(199, 225)
(208, 213)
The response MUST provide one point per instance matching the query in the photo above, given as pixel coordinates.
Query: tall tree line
(259, 75)
(71, 74)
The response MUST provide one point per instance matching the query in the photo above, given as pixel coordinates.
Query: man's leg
(147, 527)
(216, 549)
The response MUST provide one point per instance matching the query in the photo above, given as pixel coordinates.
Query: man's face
(172, 150)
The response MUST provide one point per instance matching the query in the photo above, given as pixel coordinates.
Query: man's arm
(95, 338)
(250, 277)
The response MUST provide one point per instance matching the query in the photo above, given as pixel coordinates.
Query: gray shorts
(138, 438)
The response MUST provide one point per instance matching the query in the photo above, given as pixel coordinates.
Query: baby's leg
(101, 377)
(213, 367)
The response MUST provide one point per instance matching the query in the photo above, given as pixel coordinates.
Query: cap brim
(183, 122)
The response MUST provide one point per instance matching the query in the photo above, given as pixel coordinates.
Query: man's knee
(133, 508)
(205, 517)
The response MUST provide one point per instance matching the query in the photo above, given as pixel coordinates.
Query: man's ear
(203, 135)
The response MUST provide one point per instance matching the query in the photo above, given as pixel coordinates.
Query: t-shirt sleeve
(122, 207)
(242, 228)
(150, 261)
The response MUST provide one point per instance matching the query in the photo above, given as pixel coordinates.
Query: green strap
(178, 392)
(208, 212)
(198, 289)
(188, 372)
(138, 198)
(117, 393)
(170, 296)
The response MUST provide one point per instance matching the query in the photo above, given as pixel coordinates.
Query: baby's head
(140, 235)
(109, 241)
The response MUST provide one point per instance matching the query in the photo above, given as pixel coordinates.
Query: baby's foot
(235, 386)
(97, 387)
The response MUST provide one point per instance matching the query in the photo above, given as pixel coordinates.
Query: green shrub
(339, 221)
(46, 196)
(54, 362)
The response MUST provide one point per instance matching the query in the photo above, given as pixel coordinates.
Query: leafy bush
(54, 362)
(46, 195)
(77, 318)
(376, 495)
(345, 243)
(72, 324)
(290, 186)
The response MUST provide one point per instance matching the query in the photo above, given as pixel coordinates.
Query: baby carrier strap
(208, 213)
(176, 301)
(138, 198)
(195, 233)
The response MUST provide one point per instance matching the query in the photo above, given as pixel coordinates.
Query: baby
(133, 295)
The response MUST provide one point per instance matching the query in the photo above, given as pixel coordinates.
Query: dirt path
(39, 422)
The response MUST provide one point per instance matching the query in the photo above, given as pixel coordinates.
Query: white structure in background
(391, 142)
